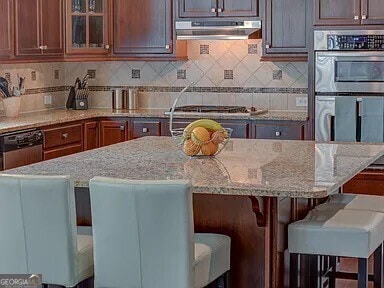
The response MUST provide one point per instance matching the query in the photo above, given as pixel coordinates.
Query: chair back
(143, 233)
(38, 227)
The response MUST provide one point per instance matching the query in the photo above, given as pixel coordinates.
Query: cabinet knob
(106, 47)
(122, 127)
(213, 10)
(43, 47)
(219, 10)
(363, 17)
(278, 133)
(267, 46)
(145, 130)
(356, 17)
(167, 47)
(64, 135)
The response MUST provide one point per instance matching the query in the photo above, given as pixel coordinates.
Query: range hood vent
(217, 30)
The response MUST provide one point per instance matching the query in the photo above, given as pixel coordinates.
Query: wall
(225, 73)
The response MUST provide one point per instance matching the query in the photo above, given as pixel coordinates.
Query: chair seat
(348, 233)
(353, 202)
(212, 257)
(84, 257)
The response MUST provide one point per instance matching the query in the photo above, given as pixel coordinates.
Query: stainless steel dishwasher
(20, 148)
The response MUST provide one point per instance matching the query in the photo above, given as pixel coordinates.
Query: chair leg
(362, 273)
(332, 276)
(293, 270)
(227, 279)
(378, 268)
(314, 275)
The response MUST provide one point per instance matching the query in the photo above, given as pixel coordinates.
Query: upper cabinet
(39, 27)
(142, 27)
(217, 8)
(87, 27)
(6, 28)
(347, 12)
(286, 29)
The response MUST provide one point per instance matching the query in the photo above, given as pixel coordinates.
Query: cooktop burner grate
(211, 108)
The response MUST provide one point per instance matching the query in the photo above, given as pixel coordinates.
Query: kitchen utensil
(181, 136)
(119, 97)
(4, 87)
(84, 83)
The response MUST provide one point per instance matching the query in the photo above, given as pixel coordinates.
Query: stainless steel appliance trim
(321, 36)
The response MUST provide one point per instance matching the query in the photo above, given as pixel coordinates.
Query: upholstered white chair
(144, 237)
(344, 233)
(38, 230)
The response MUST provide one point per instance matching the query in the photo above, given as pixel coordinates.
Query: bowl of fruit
(203, 137)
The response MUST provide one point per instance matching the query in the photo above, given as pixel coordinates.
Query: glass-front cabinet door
(87, 27)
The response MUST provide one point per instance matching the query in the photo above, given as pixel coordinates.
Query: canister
(133, 99)
(119, 99)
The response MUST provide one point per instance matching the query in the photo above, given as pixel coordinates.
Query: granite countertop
(51, 117)
(245, 167)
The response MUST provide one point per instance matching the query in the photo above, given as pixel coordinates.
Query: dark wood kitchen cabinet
(286, 33)
(348, 12)
(278, 130)
(6, 28)
(146, 127)
(39, 27)
(143, 27)
(91, 135)
(113, 131)
(369, 182)
(217, 8)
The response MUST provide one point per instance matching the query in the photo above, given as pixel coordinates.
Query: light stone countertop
(245, 167)
(58, 116)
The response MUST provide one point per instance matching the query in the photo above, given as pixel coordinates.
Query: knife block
(78, 99)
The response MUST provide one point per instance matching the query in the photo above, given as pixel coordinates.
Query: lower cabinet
(113, 131)
(141, 128)
(279, 131)
(62, 151)
(369, 182)
(91, 135)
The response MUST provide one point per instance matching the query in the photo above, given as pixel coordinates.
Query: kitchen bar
(266, 173)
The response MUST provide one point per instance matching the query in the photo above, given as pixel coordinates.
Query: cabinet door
(91, 135)
(27, 27)
(372, 12)
(197, 8)
(146, 31)
(112, 132)
(369, 182)
(240, 130)
(52, 27)
(286, 27)
(6, 28)
(279, 131)
(146, 128)
(337, 12)
(237, 8)
(62, 151)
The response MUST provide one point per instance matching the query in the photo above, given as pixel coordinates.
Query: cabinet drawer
(146, 128)
(62, 136)
(282, 132)
(63, 151)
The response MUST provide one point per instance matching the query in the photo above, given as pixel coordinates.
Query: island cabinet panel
(6, 28)
(286, 30)
(337, 12)
(280, 131)
(369, 182)
(372, 12)
(39, 27)
(91, 135)
(143, 27)
(141, 128)
(113, 131)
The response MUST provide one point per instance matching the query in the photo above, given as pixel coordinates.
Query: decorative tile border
(178, 89)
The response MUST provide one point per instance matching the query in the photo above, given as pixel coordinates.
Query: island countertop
(245, 167)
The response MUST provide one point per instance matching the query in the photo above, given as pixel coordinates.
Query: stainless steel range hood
(217, 30)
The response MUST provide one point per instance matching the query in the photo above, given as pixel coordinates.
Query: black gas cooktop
(211, 109)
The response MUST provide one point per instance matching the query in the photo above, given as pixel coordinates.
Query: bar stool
(143, 237)
(39, 233)
(340, 233)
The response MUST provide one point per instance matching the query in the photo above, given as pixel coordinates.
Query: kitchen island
(251, 191)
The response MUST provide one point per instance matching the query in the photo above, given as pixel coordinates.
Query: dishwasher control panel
(19, 140)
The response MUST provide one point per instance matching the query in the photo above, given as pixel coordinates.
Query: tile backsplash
(224, 72)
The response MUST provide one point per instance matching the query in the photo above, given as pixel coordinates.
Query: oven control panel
(355, 42)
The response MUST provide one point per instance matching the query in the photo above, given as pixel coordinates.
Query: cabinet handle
(219, 10)
(356, 17)
(64, 135)
(267, 46)
(278, 133)
(43, 47)
(363, 17)
(106, 47)
(145, 130)
(213, 10)
(167, 47)
(122, 127)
